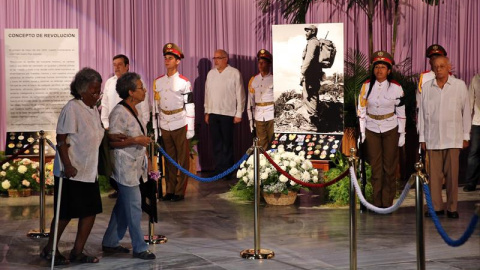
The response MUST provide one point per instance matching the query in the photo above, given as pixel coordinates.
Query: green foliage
(242, 192)
(104, 184)
(338, 193)
(356, 72)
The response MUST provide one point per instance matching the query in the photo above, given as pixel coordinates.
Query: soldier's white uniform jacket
(260, 98)
(173, 103)
(384, 109)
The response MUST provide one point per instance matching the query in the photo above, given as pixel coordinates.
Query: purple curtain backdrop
(140, 28)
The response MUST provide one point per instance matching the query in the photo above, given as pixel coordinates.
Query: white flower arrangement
(273, 181)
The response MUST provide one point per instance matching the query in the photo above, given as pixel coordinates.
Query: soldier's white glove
(401, 140)
(362, 137)
(251, 125)
(190, 134)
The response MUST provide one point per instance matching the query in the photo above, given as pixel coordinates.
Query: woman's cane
(57, 213)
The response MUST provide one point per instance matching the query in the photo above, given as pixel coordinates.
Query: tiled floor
(206, 231)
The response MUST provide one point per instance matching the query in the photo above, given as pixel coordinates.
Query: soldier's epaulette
(395, 82)
(183, 77)
(159, 77)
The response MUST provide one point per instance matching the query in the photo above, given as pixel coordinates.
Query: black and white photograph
(308, 81)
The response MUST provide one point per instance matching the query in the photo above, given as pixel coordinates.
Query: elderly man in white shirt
(473, 169)
(444, 121)
(224, 105)
(121, 65)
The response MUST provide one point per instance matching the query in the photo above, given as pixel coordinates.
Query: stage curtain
(140, 28)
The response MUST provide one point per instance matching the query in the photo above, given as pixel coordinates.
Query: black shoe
(177, 198)
(438, 213)
(469, 188)
(145, 255)
(168, 197)
(117, 249)
(452, 214)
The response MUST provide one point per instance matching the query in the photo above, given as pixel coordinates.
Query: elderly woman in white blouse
(130, 167)
(79, 134)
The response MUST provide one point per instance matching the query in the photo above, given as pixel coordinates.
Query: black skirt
(79, 199)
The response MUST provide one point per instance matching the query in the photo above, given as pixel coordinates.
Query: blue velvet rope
(454, 243)
(201, 179)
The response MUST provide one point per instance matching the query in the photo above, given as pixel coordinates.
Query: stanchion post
(151, 238)
(256, 252)
(353, 212)
(42, 232)
(419, 179)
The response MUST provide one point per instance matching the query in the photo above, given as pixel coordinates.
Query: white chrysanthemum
(245, 179)
(6, 184)
(307, 164)
(242, 165)
(268, 170)
(240, 173)
(251, 175)
(283, 178)
(314, 172)
(292, 164)
(263, 176)
(3, 173)
(305, 176)
(292, 183)
(22, 169)
(315, 179)
(293, 171)
(263, 162)
(5, 166)
(250, 160)
(283, 167)
(35, 165)
(25, 161)
(25, 183)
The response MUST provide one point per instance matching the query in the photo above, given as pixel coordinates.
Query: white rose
(314, 172)
(250, 160)
(11, 168)
(239, 173)
(292, 164)
(301, 153)
(34, 165)
(292, 183)
(264, 176)
(3, 173)
(6, 184)
(5, 166)
(25, 183)
(243, 164)
(26, 161)
(22, 169)
(283, 178)
(293, 171)
(315, 179)
(283, 167)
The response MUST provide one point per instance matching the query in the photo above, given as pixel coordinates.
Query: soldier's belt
(172, 112)
(264, 103)
(381, 117)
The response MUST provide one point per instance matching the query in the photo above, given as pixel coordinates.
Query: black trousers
(221, 130)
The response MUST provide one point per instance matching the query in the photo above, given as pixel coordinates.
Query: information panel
(39, 66)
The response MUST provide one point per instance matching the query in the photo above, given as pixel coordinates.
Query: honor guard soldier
(173, 100)
(260, 100)
(433, 51)
(381, 112)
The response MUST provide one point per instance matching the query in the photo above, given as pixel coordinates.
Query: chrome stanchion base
(38, 233)
(155, 239)
(251, 254)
